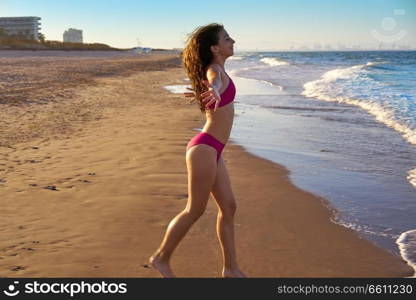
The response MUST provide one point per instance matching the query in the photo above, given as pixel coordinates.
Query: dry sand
(88, 185)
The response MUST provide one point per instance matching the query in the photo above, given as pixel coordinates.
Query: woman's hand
(188, 94)
(210, 96)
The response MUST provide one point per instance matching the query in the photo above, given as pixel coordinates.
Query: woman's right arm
(214, 84)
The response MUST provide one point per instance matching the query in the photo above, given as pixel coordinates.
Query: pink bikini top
(227, 96)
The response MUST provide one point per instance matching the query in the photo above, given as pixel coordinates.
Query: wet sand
(89, 182)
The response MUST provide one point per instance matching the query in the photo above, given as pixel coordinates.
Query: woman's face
(225, 45)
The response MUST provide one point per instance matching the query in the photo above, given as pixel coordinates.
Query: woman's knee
(228, 209)
(195, 213)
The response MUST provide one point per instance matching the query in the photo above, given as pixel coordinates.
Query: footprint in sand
(32, 161)
(29, 249)
(65, 180)
(51, 187)
(68, 182)
(30, 148)
(5, 249)
(17, 268)
(182, 196)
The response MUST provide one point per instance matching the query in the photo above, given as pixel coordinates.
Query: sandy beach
(92, 170)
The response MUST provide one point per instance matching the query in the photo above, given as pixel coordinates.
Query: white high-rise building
(29, 27)
(73, 36)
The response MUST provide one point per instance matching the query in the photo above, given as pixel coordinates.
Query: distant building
(73, 36)
(28, 27)
(317, 46)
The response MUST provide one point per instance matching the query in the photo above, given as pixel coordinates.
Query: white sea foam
(248, 86)
(364, 228)
(177, 89)
(235, 57)
(405, 241)
(411, 177)
(273, 61)
(324, 89)
(407, 246)
(252, 68)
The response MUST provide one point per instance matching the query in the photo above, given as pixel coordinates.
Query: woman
(204, 56)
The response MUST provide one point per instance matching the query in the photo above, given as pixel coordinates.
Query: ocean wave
(326, 89)
(273, 61)
(252, 68)
(300, 108)
(236, 57)
(346, 73)
(364, 228)
(383, 66)
(411, 176)
(280, 88)
(407, 246)
(237, 72)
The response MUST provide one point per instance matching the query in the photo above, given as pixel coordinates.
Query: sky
(254, 24)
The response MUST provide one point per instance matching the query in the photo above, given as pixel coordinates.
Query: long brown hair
(197, 55)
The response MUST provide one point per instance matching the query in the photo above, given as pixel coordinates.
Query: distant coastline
(322, 50)
(13, 43)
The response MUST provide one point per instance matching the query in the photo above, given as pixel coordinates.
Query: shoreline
(121, 178)
(369, 260)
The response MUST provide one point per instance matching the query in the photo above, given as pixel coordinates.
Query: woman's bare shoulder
(214, 68)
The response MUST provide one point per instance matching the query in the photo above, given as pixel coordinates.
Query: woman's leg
(226, 203)
(201, 165)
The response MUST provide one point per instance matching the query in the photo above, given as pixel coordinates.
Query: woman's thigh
(202, 168)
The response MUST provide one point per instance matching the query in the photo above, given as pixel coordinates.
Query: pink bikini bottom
(206, 138)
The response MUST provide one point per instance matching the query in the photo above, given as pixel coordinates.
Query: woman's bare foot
(233, 273)
(162, 266)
